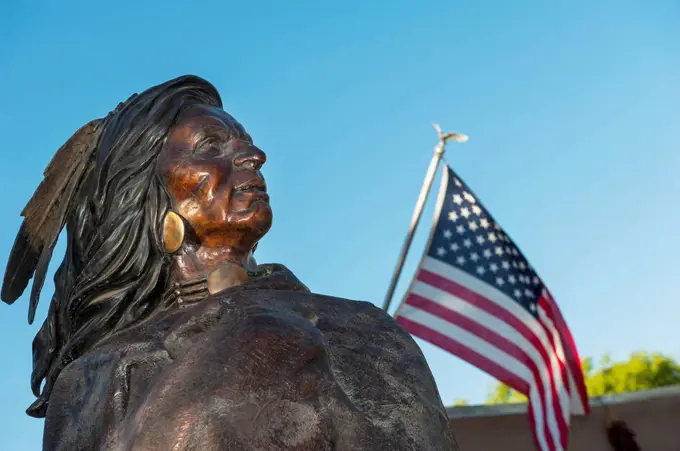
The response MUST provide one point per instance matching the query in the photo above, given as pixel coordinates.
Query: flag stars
(469, 197)
(475, 244)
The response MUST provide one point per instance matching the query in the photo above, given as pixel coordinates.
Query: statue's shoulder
(359, 314)
(354, 324)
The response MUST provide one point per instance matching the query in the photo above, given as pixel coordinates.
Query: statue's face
(211, 170)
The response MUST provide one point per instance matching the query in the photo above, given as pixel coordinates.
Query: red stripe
(472, 357)
(494, 309)
(562, 423)
(570, 351)
(496, 340)
(499, 312)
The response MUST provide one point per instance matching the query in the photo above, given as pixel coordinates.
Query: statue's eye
(209, 147)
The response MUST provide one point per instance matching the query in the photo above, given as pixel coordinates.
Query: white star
(515, 252)
(474, 257)
(493, 267)
(476, 210)
(472, 225)
(453, 216)
(441, 251)
(467, 242)
(536, 281)
(505, 265)
(461, 260)
(454, 247)
(532, 307)
(508, 250)
(492, 237)
(469, 197)
(500, 281)
(484, 223)
(460, 229)
(480, 239)
(447, 234)
(480, 270)
(528, 293)
(517, 293)
(499, 251)
(512, 279)
(465, 212)
(496, 226)
(457, 182)
(457, 199)
(522, 266)
(487, 253)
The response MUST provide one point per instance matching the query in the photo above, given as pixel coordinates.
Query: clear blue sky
(572, 111)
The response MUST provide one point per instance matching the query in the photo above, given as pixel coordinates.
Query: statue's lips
(256, 185)
(255, 188)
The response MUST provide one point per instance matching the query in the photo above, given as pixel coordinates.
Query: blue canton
(467, 237)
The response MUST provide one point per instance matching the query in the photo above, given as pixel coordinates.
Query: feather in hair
(45, 216)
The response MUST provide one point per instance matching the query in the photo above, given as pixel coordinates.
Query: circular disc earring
(173, 232)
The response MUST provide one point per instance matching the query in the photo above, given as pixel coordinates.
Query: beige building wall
(654, 415)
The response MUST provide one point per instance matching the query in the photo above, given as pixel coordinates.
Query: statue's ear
(45, 215)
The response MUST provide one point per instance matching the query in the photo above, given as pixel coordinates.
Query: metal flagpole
(420, 204)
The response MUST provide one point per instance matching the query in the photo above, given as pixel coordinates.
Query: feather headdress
(45, 215)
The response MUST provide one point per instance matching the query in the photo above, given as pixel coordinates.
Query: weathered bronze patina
(164, 334)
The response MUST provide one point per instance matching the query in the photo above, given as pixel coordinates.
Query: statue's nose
(250, 157)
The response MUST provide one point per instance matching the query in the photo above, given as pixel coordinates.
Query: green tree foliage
(642, 371)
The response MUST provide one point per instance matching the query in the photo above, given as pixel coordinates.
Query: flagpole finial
(451, 136)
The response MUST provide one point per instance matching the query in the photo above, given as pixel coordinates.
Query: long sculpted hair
(115, 269)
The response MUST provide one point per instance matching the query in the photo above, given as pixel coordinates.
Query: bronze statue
(164, 334)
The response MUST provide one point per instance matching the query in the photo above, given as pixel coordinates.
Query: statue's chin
(257, 218)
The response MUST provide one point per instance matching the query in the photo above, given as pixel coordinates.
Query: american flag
(477, 297)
